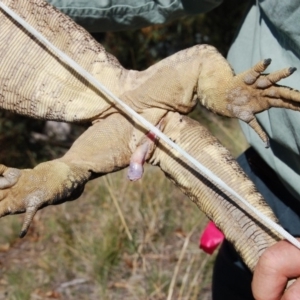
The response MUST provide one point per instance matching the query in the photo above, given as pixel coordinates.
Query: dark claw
(267, 61)
(292, 70)
(22, 234)
(30, 212)
(267, 144)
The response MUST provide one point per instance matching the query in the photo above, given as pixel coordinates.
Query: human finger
(276, 266)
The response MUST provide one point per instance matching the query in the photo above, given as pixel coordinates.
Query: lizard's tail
(241, 227)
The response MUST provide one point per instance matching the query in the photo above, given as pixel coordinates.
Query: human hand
(277, 265)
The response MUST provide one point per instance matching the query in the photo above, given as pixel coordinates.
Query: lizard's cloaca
(36, 83)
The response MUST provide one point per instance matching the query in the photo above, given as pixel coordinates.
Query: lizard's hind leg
(95, 153)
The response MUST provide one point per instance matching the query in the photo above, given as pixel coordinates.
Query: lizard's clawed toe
(266, 81)
(267, 62)
(261, 66)
(260, 131)
(250, 76)
(8, 176)
(33, 204)
(254, 75)
(30, 213)
(292, 70)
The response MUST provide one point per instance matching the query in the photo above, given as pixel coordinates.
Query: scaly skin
(239, 226)
(34, 82)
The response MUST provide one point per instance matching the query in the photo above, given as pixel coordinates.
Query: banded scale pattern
(249, 237)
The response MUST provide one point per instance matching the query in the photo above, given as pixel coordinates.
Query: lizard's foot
(252, 92)
(48, 183)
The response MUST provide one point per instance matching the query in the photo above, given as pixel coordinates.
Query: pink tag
(211, 238)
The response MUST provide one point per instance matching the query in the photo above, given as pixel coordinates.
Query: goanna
(36, 83)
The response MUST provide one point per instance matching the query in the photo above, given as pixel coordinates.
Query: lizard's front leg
(101, 149)
(201, 72)
(249, 237)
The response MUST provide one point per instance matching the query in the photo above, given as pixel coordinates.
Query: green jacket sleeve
(114, 15)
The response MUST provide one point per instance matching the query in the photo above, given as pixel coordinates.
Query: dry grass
(89, 249)
(120, 240)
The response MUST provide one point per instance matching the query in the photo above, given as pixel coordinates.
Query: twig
(195, 280)
(157, 290)
(185, 277)
(176, 270)
(73, 282)
(115, 201)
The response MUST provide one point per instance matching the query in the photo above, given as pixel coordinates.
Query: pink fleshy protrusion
(137, 160)
(138, 157)
(135, 171)
(211, 238)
